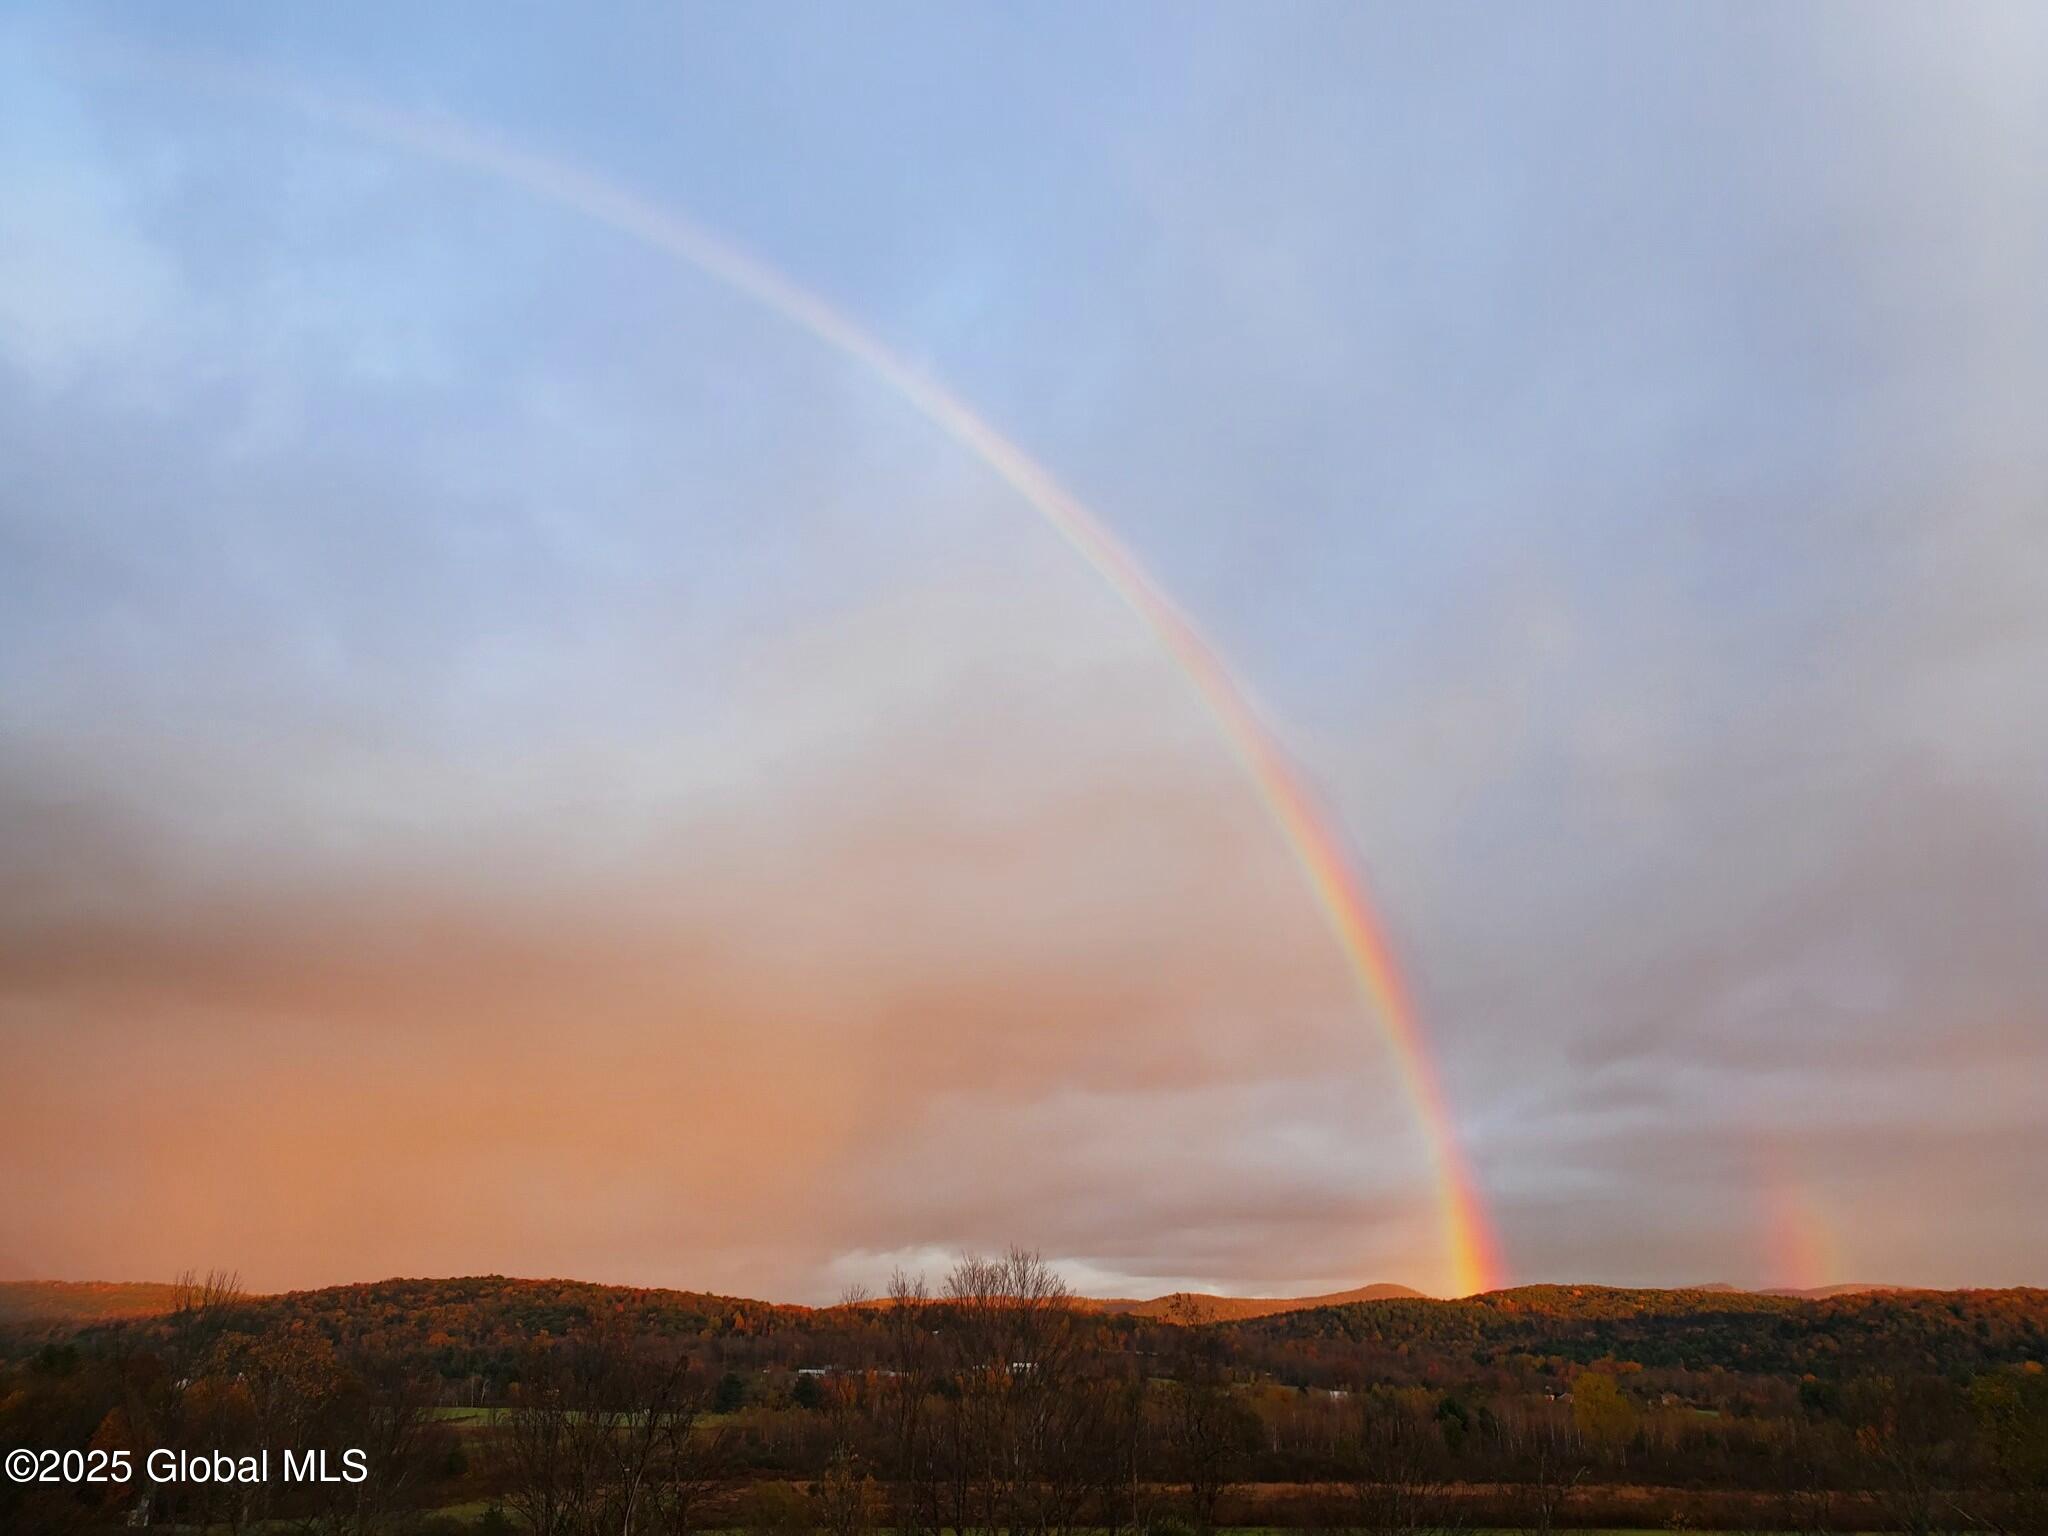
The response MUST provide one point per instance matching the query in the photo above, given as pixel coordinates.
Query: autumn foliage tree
(1602, 1414)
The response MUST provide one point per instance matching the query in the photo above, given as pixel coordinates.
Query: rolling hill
(82, 1301)
(482, 1327)
(1201, 1307)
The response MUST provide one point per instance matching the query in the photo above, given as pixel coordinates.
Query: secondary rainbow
(1472, 1252)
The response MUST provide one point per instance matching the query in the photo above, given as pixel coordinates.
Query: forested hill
(486, 1311)
(1743, 1331)
(1201, 1307)
(81, 1301)
(454, 1326)
(483, 1326)
(64, 1301)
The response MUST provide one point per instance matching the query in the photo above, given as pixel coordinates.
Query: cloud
(989, 958)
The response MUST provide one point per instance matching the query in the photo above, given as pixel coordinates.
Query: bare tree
(1542, 1495)
(905, 1403)
(1396, 1472)
(387, 1414)
(1907, 1427)
(1806, 1501)
(2011, 1412)
(1125, 1448)
(1016, 1411)
(195, 1294)
(536, 1447)
(1208, 1428)
(604, 1439)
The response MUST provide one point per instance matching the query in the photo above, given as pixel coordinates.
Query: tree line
(995, 1401)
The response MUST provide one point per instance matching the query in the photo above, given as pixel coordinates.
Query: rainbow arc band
(1474, 1261)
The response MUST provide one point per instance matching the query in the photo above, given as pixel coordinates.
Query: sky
(515, 758)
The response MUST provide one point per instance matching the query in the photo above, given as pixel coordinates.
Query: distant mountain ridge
(93, 1301)
(1809, 1293)
(83, 1301)
(484, 1326)
(1203, 1307)
(1753, 1332)
(1823, 1292)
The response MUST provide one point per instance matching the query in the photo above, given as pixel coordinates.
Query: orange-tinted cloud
(1049, 976)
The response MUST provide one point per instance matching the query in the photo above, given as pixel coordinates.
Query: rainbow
(1799, 1244)
(1473, 1257)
